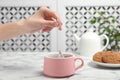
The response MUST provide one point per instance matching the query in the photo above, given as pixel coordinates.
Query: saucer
(106, 64)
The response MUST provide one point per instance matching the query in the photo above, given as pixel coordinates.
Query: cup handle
(107, 41)
(80, 64)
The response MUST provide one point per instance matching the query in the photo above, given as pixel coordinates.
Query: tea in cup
(56, 66)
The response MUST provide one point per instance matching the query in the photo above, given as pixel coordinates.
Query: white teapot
(90, 43)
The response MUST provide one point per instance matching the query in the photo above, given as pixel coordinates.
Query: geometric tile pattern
(77, 21)
(28, 42)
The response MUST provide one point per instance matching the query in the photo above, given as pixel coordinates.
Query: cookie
(107, 57)
(113, 58)
(98, 57)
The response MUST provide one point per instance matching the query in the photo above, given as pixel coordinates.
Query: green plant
(106, 25)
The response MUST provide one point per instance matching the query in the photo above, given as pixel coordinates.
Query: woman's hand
(44, 19)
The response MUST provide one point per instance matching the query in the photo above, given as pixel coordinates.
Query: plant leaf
(118, 38)
(107, 29)
(93, 21)
(111, 17)
(98, 19)
(113, 21)
(101, 13)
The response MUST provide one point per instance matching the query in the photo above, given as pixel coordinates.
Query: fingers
(47, 29)
(54, 15)
(45, 26)
(59, 24)
(58, 20)
(48, 15)
(50, 23)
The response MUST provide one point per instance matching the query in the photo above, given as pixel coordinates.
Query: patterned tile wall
(28, 42)
(77, 21)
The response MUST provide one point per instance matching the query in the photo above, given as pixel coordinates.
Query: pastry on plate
(98, 57)
(112, 58)
(107, 57)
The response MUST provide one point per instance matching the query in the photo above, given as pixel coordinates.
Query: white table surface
(29, 66)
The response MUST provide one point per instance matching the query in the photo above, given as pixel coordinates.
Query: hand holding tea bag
(41, 20)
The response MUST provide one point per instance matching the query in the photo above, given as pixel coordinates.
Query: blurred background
(75, 14)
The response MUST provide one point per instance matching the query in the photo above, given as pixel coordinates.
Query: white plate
(106, 64)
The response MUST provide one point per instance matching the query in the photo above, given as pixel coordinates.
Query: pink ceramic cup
(55, 66)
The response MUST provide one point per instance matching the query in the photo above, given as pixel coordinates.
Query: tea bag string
(61, 55)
